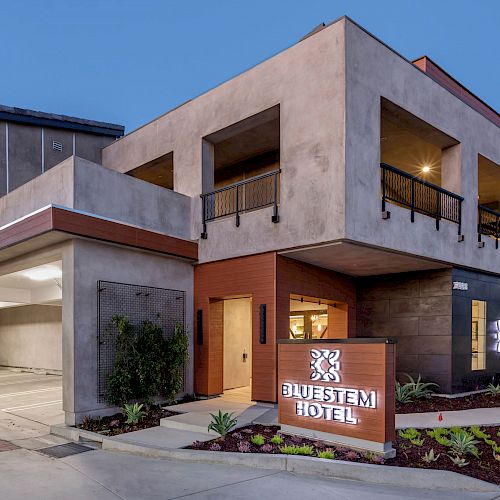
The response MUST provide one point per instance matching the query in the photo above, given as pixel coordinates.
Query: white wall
(31, 337)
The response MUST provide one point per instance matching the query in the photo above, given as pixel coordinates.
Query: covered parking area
(31, 341)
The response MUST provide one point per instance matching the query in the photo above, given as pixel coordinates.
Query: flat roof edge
(40, 118)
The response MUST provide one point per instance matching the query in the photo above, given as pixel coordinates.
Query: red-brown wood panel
(456, 88)
(245, 276)
(31, 226)
(300, 278)
(369, 367)
(116, 232)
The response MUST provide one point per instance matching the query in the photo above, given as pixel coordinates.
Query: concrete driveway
(29, 403)
(105, 475)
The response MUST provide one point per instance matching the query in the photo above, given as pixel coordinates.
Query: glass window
(478, 334)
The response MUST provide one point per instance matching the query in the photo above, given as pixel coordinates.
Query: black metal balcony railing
(488, 224)
(245, 196)
(420, 196)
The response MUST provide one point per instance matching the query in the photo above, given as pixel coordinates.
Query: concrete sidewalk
(460, 418)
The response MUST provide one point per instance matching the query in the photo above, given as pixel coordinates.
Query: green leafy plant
(417, 442)
(258, 439)
(306, 450)
(409, 433)
(463, 443)
(430, 456)
(439, 435)
(222, 423)
(493, 390)
(290, 449)
(147, 362)
(328, 453)
(277, 439)
(122, 383)
(458, 461)
(133, 413)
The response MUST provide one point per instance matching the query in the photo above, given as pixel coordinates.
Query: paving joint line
(228, 484)
(116, 494)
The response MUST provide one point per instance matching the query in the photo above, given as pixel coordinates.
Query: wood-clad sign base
(340, 391)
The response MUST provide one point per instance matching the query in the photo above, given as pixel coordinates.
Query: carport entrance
(31, 344)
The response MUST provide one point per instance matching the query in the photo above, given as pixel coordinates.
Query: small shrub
(463, 443)
(493, 390)
(430, 456)
(290, 449)
(215, 447)
(328, 453)
(133, 413)
(306, 449)
(267, 448)
(277, 439)
(258, 439)
(237, 435)
(244, 447)
(222, 423)
(197, 444)
(351, 455)
(247, 431)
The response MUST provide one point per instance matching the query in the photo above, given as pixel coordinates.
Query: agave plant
(493, 390)
(462, 443)
(133, 413)
(222, 423)
(421, 389)
(430, 456)
(458, 461)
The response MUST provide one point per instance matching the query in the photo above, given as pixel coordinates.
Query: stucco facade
(285, 159)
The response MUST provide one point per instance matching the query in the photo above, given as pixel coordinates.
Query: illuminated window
(478, 334)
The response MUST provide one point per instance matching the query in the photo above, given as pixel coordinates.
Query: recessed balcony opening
(241, 166)
(159, 171)
(488, 177)
(420, 166)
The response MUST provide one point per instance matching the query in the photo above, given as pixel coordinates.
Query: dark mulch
(114, 425)
(407, 454)
(436, 403)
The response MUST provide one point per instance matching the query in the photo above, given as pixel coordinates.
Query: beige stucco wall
(307, 81)
(31, 337)
(374, 71)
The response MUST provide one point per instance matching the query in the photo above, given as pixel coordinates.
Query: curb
(367, 473)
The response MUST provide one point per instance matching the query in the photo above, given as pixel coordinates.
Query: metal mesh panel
(161, 306)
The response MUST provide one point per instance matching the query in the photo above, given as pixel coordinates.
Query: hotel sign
(341, 388)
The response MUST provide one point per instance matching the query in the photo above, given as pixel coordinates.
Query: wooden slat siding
(25, 229)
(67, 221)
(216, 343)
(374, 424)
(456, 88)
(253, 275)
(115, 232)
(295, 277)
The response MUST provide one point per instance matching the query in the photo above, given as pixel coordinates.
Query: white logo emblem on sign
(322, 357)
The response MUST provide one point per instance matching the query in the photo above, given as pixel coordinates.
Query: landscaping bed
(116, 424)
(411, 446)
(437, 403)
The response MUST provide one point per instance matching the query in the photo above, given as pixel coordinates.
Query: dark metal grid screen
(162, 306)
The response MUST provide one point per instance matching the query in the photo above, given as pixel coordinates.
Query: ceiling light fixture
(43, 273)
(426, 169)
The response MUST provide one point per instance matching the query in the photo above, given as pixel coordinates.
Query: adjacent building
(334, 190)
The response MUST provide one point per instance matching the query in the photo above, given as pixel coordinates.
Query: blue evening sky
(128, 61)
